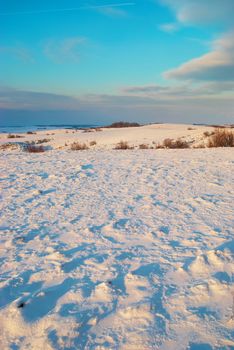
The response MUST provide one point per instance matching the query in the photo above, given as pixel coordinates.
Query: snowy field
(117, 250)
(149, 135)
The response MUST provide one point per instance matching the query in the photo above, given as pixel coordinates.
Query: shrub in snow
(123, 145)
(222, 138)
(143, 146)
(170, 143)
(77, 146)
(34, 149)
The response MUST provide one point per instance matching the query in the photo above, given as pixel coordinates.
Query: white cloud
(217, 65)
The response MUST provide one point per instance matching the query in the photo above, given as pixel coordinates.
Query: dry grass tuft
(221, 138)
(38, 142)
(143, 146)
(123, 145)
(88, 130)
(93, 143)
(173, 144)
(159, 146)
(208, 134)
(12, 136)
(8, 146)
(77, 146)
(34, 149)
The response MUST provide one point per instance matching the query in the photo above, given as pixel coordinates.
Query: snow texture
(117, 250)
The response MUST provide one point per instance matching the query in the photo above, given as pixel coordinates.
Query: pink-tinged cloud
(217, 65)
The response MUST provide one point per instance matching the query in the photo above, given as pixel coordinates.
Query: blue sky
(98, 61)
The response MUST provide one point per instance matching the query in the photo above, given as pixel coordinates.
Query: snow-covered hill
(117, 250)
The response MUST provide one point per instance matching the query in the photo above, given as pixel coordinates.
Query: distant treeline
(122, 125)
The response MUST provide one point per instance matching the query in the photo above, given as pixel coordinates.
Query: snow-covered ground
(108, 138)
(106, 249)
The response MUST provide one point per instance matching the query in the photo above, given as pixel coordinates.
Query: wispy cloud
(88, 7)
(180, 92)
(169, 27)
(112, 12)
(19, 52)
(201, 11)
(61, 51)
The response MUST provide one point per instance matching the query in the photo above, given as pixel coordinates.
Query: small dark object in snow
(21, 305)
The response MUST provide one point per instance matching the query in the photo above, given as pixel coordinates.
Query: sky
(99, 61)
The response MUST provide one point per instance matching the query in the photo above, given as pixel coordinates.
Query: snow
(106, 249)
(108, 138)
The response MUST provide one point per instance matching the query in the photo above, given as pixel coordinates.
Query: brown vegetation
(12, 136)
(8, 146)
(34, 149)
(88, 130)
(207, 133)
(221, 138)
(123, 145)
(38, 142)
(93, 143)
(143, 146)
(170, 143)
(77, 146)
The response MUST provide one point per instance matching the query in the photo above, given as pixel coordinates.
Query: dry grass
(38, 142)
(12, 136)
(93, 143)
(77, 146)
(88, 130)
(34, 149)
(173, 144)
(143, 146)
(159, 146)
(8, 146)
(123, 145)
(208, 134)
(221, 138)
